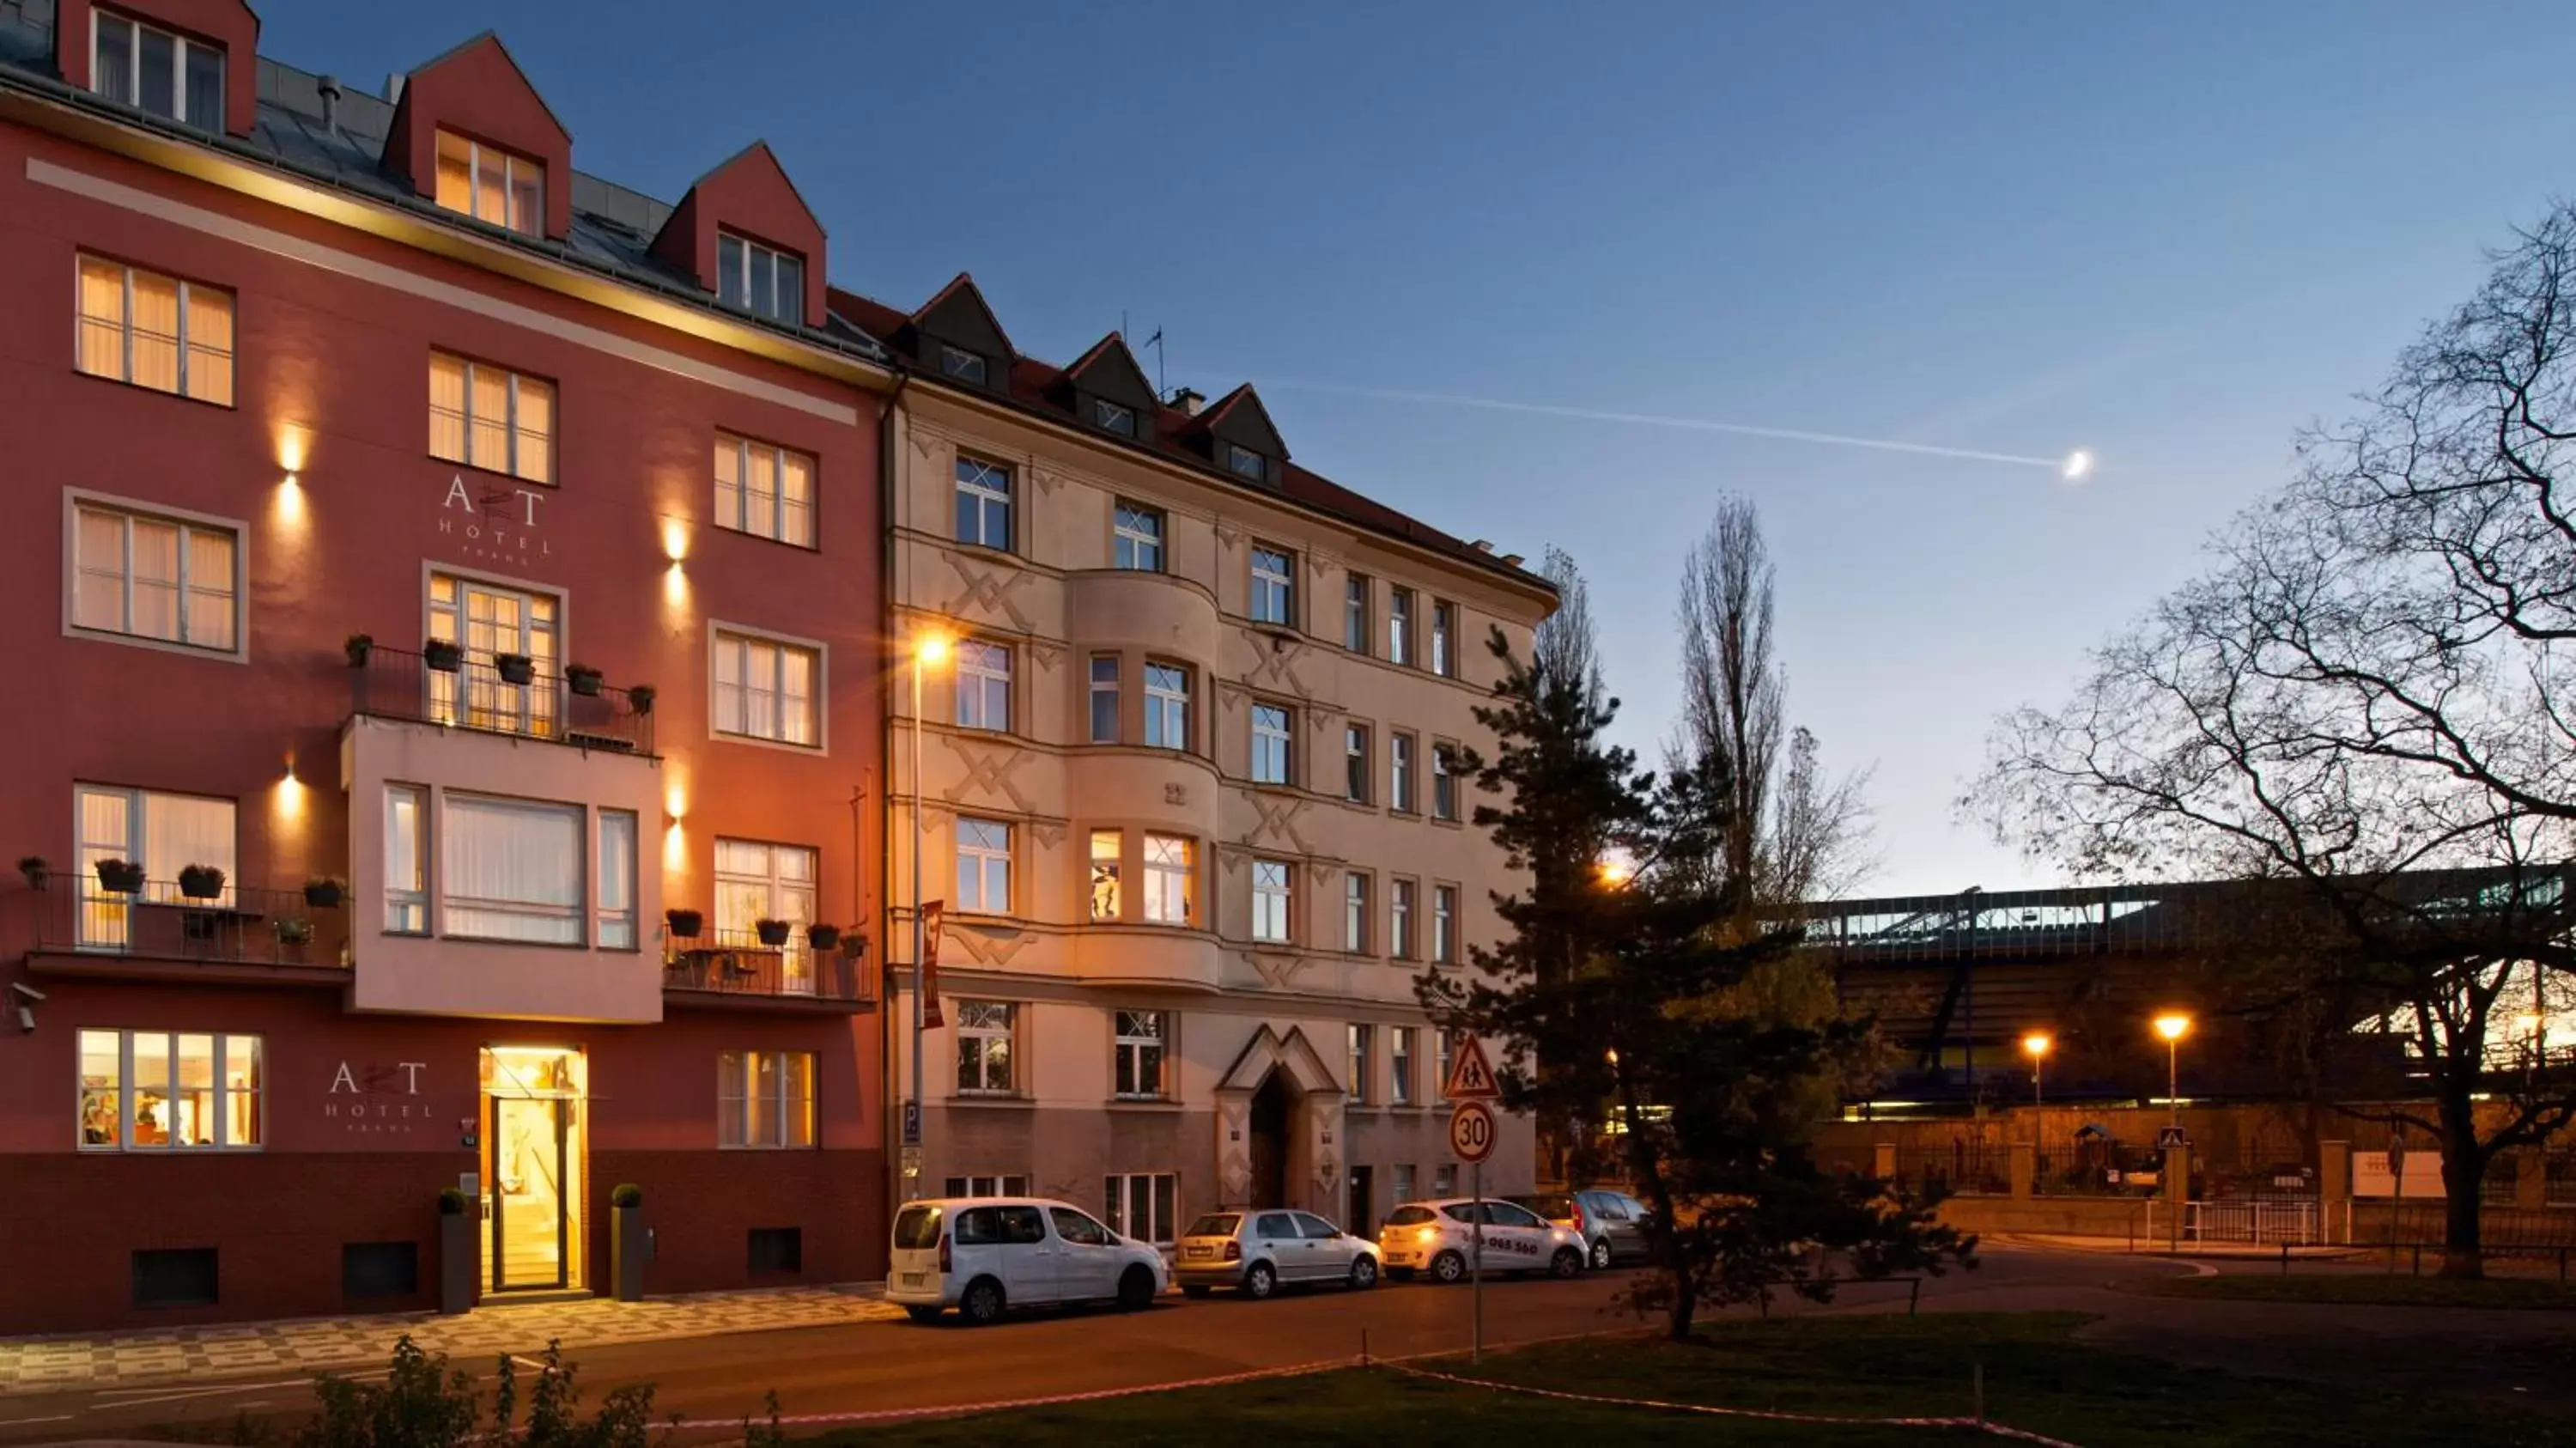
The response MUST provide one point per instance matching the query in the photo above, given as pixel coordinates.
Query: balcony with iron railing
(161, 929)
(792, 970)
(507, 694)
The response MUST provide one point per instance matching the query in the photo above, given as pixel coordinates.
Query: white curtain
(617, 879)
(179, 831)
(512, 869)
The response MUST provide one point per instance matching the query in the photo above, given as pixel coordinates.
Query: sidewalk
(307, 1345)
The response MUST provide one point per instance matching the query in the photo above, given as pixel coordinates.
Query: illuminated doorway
(533, 1161)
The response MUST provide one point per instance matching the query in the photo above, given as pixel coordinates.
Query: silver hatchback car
(1259, 1251)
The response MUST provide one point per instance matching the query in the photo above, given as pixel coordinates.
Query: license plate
(1195, 1253)
(916, 1279)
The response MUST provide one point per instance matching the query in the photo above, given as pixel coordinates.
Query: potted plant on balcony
(772, 932)
(853, 945)
(359, 647)
(201, 882)
(443, 655)
(515, 668)
(36, 871)
(120, 877)
(684, 923)
(325, 892)
(292, 930)
(583, 678)
(640, 698)
(822, 937)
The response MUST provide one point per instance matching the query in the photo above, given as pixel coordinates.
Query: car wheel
(1449, 1268)
(1601, 1255)
(1363, 1272)
(982, 1303)
(922, 1312)
(1566, 1263)
(1259, 1281)
(1195, 1290)
(1135, 1290)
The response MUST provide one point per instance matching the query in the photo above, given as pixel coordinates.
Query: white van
(986, 1255)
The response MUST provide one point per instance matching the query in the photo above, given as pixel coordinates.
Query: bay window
(1167, 879)
(511, 869)
(1107, 849)
(406, 860)
(1167, 706)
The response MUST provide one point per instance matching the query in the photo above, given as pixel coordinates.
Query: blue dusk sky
(2171, 234)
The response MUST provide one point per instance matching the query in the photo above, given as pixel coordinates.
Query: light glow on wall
(675, 839)
(289, 803)
(294, 447)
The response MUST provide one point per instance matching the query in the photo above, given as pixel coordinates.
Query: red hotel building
(433, 571)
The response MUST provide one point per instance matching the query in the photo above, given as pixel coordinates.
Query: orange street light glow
(2173, 1025)
(931, 649)
(2038, 1044)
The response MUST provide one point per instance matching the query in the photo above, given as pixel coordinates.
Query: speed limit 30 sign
(1471, 1131)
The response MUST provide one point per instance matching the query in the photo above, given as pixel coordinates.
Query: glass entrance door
(530, 1226)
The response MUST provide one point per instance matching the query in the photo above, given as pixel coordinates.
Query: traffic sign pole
(1476, 1266)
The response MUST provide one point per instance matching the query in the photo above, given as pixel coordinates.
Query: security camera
(27, 991)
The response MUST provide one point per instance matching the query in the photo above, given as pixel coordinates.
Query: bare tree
(1567, 651)
(2368, 696)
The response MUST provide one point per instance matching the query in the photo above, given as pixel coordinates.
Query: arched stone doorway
(1269, 1130)
(1279, 1127)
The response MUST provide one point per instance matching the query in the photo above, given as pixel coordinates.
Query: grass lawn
(2037, 1378)
(2357, 1288)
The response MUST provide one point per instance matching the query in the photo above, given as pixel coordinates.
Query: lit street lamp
(2036, 1046)
(2173, 1026)
(929, 651)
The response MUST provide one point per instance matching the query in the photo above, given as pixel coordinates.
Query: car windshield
(1215, 1224)
(916, 1229)
(1408, 1216)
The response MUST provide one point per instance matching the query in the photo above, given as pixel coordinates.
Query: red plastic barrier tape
(1052, 1400)
(1980, 1425)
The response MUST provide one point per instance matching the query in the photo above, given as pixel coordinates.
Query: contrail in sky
(2072, 466)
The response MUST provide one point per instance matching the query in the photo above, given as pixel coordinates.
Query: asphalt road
(862, 1367)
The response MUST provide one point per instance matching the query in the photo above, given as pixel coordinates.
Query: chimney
(1511, 560)
(1188, 400)
(1483, 545)
(329, 87)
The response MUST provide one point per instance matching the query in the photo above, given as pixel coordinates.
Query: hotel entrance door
(533, 1168)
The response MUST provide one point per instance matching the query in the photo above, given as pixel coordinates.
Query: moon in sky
(2078, 465)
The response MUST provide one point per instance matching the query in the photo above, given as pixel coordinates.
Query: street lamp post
(929, 650)
(2037, 1045)
(2173, 1026)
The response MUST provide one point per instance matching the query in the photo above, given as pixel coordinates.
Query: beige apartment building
(1187, 795)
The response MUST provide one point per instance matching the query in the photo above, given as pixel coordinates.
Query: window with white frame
(1273, 900)
(1108, 854)
(765, 1099)
(1138, 545)
(1243, 462)
(1104, 699)
(983, 866)
(491, 418)
(961, 364)
(1274, 737)
(491, 185)
(1403, 1180)
(1399, 772)
(486, 621)
(1399, 1066)
(768, 688)
(1443, 1048)
(983, 503)
(984, 1042)
(986, 1186)
(1142, 1036)
(1444, 1179)
(1444, 783)
(1399, 625)
(1167, 879)
(983, 686)
(760, 279)
(170, 1091)
(511, 869)
(406, 860)
(1274, 586)
(756, 882)
(1355, 612)
(1444, 629)
(175, 77)
(1399, 919)
(1140, 1206)
(1109, 416)
(1355, 912)
(1363, 1046)
(1167, 706)
(1444, 924)
(155, 331)
(615, 903)
(163, 833)
(764, 490)
(156, 578)
(1355, 763)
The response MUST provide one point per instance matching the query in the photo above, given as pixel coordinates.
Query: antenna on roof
(1156, 342)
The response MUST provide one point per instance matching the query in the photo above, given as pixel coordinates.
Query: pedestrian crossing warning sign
(1471, 1076)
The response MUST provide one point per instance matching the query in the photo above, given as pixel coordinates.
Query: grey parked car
(1612, 1224)
(1260, 1251)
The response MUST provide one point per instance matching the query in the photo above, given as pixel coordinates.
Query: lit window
(152, 70)
(1139, 544)
(170, 1091)
(1399, 1065)
(1355, 913)
(487, 623)
(1140, 1054)
(164, 834)
(1108, 848)
(768, 689)
(1363, 1045)
(155, 331)
(1399, 905)
(406, 860)
(1104, 698)
(491, 418)
(616, 898)
(1245, 463)
(1444, 784)
(983, 686)
(155, 578)
(1399, 766)
(1273, 735)
(1167, 706)
(1272, 900)
(1140, 1206)
(491, 185)
(756, 882)
(1444, 625)
(511, 869)
(983, 504)
(764, 490)
(1274, 586)
(765, 1099)
(961, 364)
(1355, 613)
(760, 279)
(1167, 879)
(983, 866)
(1444, 924)
(1399, 625)
(984, 1047)
(1111, 417)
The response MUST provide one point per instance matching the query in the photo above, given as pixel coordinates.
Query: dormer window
(494, 186)
(1111, 417)
(1246, 463)
(153, 70)
(961, 364)
(760, 279)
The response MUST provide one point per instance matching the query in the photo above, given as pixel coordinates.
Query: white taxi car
(985, 1255)
(1439, 1237)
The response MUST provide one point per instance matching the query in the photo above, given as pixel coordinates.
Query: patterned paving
(53, 1364)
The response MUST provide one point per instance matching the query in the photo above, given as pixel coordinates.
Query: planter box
(630, 1246)
(458, 1261)
(515, 668)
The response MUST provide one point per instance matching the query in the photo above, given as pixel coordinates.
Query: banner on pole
(930, 913)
